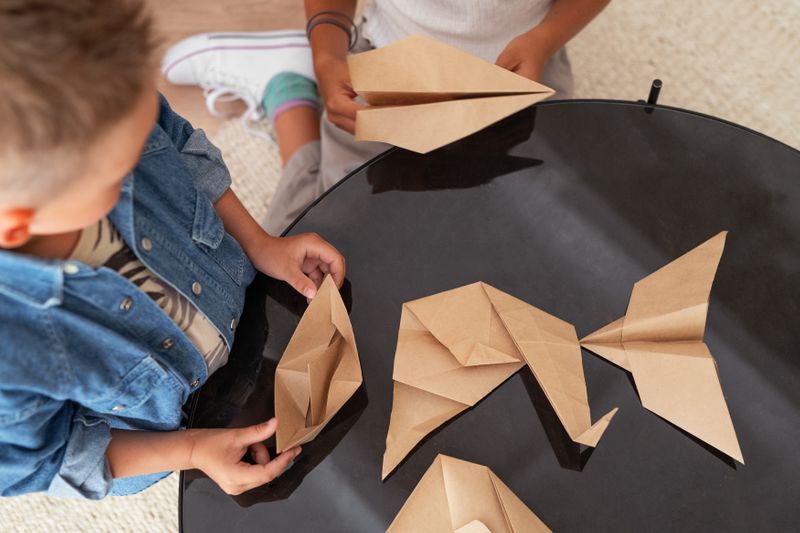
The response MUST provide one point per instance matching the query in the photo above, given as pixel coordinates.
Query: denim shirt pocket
(208, 232)
(135, 388)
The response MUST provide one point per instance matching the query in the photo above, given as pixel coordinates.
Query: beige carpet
(735, 59)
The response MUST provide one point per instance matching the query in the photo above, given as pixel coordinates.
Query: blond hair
(69, 69)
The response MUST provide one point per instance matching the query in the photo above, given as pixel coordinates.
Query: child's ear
(15, 227)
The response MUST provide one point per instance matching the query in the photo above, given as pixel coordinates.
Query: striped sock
(288, 90)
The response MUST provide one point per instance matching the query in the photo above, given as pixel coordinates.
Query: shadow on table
(473, 161)
(568, 453)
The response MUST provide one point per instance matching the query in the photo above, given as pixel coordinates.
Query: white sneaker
(237, 65)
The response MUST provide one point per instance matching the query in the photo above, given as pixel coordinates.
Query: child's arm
(329, 46)
(217, 452)
(302, 261)
(527, 54)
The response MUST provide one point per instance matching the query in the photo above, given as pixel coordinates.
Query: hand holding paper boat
(424, 94)
(456, 496)
(318, 372)
(660, 341)
(457, 346)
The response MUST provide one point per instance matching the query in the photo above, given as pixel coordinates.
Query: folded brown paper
(660, 341)
(318, 372)
(457, 346)
(456, 496)
(424, 94)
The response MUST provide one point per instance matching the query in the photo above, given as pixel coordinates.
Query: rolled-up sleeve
(50, 446)
(84, 471)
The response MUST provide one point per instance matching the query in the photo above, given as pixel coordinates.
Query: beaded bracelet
(350, 29)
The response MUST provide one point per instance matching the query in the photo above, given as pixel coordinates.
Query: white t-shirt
(480, 27)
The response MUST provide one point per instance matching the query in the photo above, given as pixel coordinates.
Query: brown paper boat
(318, 372)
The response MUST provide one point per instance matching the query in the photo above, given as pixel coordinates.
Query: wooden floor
(177, 19)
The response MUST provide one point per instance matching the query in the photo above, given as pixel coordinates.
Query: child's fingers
(343, 104)
(258, 432)
(301, 283)
(252, 476)
(317, 276)
(345, 123)
(259, 453)
(332, 259)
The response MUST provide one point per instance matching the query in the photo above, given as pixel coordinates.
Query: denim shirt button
(167, 343)
(233, 324)
(197, 288)
(146, 244)
(70, 268)
(195, 382)
(118, 408)
(125, 304)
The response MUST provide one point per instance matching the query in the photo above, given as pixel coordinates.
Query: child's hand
(219, 452)
(333, 77)
(525, 55)
(301, 261)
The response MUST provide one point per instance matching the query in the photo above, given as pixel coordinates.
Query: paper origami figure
(424, 94)
(457, 346)
(318, 372)
(660, 341)
(456, 496)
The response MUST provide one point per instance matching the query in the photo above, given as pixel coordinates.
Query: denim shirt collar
(33, 281)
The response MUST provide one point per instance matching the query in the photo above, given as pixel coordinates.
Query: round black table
(565, 205)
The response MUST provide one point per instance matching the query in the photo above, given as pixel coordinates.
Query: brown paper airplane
(660, 341)
(457, 346)
(423, 94)
(318, 372)
(456, 496)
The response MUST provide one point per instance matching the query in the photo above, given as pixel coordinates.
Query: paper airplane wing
(671, 304)
(551, 349)
(680, 383)
(319, 370)
(420, 69)
(425, 127)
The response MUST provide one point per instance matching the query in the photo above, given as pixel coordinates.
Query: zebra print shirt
(102, 245)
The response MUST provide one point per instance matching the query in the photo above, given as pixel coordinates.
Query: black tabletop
(564, 205)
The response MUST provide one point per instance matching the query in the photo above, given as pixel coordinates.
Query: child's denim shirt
(85, 350)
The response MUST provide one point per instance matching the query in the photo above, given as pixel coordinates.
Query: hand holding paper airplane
(424, 94)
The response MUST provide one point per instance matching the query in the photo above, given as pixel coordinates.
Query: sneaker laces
(227, 87)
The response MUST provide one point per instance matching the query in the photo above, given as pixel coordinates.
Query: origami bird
(457, 346)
